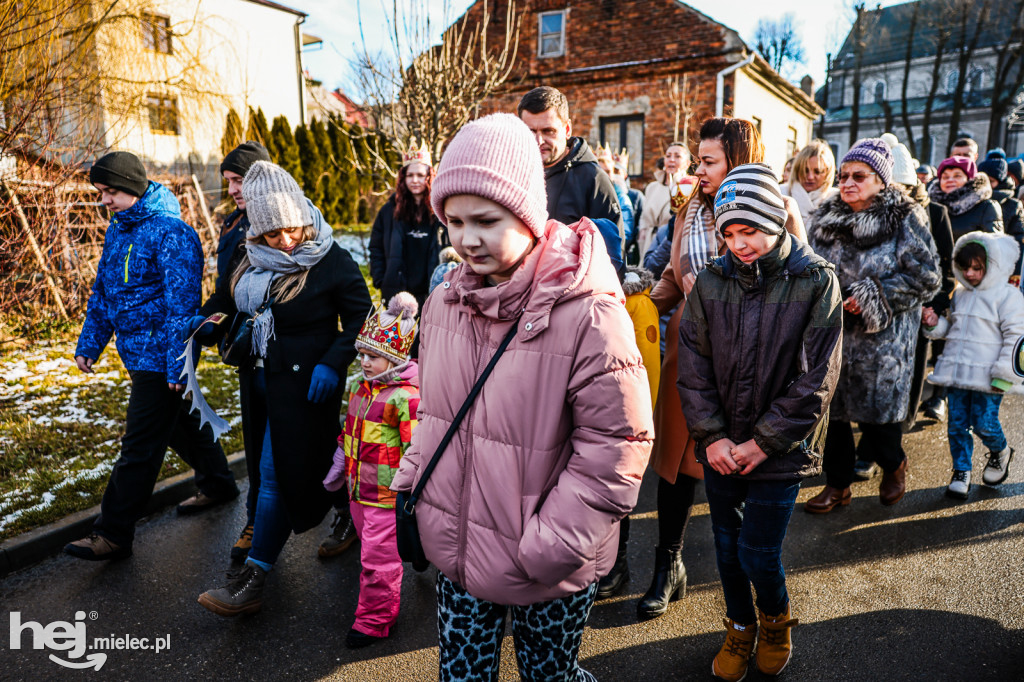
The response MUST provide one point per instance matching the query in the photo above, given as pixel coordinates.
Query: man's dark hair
(969, 254)
(539, 100)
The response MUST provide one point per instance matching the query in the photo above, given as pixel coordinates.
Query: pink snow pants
(380, 582)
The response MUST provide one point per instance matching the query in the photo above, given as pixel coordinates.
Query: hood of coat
(919, 194)
(1000, 194)
(579, 152)
(1001, 251)
(876, 224)
(568, 262)
(157, 200)
(637, 280)
(405, 374)
(963, 199)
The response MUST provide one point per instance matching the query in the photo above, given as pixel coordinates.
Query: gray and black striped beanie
(750, 195)
(273, 200)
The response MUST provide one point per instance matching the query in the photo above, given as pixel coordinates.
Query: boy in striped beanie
(759, 356)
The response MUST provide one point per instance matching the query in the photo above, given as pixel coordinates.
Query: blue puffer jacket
(147, 286)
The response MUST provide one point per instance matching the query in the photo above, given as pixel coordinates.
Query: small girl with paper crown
(378, 428)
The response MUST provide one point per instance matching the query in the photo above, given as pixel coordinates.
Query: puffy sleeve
(180, 259)
(97, 329)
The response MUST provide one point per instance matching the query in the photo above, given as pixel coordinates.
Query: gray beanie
(749, 195)
(273, 200)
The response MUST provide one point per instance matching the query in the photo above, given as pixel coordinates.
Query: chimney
(807, 85)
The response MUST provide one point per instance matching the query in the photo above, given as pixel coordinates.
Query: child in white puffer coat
(985, 321)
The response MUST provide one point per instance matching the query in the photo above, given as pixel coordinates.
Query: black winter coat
(387, 252)
(942, 235)
(304, 435)
(230, 248)
(970, 207)
(577, 187)
(1013, 216)
(759, 357)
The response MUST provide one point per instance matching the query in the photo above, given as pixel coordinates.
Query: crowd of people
(524, 369)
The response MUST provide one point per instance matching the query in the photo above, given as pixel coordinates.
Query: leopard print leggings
(547, 636)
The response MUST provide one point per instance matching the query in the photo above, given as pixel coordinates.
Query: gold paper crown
(621, 159)
(386, 340)
(421, 155)
(602, 152)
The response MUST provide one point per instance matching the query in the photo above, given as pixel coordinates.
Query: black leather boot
(612, 584)
(668, 585)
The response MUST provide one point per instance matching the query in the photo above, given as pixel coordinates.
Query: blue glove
(194, 324)
(323, 385)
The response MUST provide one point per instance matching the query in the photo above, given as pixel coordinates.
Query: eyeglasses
(858, 177)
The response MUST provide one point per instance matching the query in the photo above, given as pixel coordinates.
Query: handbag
(410, 549)
(237, 349)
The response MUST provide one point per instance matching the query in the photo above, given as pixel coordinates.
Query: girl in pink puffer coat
(523, 508)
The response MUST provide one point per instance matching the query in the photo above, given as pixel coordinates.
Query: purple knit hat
(874, 152)
(497, 158)
(964, 163)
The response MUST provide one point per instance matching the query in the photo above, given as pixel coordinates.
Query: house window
(156, 33)
(163, 114)
(879, 92)
(791, 144)
(618, 132)
(835, 92)
(976, 80)
(952, 78)
(551, 42)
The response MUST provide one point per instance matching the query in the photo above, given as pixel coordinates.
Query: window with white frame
(551, 34)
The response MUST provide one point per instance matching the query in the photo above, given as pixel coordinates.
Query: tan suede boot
(774, 643)
(733, 658)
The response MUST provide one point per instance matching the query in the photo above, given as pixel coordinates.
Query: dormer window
(551, 32)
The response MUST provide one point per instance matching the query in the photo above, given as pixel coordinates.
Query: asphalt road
(929, 589)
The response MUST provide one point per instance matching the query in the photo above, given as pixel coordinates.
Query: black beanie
(239, 159)
(120, 170)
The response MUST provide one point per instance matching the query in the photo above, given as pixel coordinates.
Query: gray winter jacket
(984, 321)
(885, 258)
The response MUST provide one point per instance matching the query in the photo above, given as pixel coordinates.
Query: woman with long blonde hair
(812, 179)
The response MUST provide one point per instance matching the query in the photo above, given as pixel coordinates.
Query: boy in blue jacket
(147, 287)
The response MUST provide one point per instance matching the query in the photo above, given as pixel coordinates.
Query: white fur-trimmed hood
(1002, 251)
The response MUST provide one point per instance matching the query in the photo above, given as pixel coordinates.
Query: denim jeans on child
(749, 520)
(547, 636)
(271, 529)
(973, 412)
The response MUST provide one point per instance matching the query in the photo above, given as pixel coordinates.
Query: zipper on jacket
(127, 256)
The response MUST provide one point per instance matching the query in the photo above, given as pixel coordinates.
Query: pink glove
(336, 476)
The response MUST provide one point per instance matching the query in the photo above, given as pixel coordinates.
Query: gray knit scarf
(267, 264)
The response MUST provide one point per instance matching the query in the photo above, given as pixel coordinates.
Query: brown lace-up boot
(774, 644)
(733, 658)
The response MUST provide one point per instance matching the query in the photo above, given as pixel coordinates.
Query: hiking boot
(667, 585)
(343, 534)
(959, 485)
(998, 467)
(733, 658)
(774, 643)
(242, 594)
(200, 502)
(864, 470)
(894, 485)
(616, 580)
(97, 548)
(828, 499)
(242, 545)
(357, 640)
(934, 408)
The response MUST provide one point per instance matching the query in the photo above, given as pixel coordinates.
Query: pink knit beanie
(495, 157)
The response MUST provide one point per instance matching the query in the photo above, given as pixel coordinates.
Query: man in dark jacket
(148, 285)
(576, 186)
(233, 169)
(998, 172)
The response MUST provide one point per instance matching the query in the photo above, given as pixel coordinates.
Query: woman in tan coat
(724, 144)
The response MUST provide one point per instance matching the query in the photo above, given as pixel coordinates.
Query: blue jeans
(271, 528)
(749, 519)
(973, 412)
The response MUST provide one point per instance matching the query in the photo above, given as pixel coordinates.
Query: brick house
(641, 73)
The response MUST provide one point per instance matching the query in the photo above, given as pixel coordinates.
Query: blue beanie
(1016, 168)
(995, 165)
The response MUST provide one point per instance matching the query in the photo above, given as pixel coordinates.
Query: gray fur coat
(885, 258)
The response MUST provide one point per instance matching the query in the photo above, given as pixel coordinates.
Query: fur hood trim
(919, 193)
(876, 224)
(1001, 251)
(637, 280)
(963, 199)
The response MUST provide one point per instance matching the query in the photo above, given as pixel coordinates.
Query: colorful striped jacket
(378, 429)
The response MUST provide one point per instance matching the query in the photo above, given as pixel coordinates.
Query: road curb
(35, 545)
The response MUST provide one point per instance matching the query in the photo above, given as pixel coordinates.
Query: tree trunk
(942, 37)
(1005, 85)
(904, 113)
(858, 61)
(963, 65)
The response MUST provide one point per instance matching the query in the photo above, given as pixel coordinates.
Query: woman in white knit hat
(289, 387)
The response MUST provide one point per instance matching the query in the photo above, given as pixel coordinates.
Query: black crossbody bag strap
(410, 504)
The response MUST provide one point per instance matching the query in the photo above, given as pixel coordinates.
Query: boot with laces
(242, 545)
(242, 594)
(97, 548)
(733, 658)
(998, 467)
(774, 641)
(343, 534)
(959, 485)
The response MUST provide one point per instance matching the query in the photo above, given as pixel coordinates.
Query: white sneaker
(998, 467)
(959, 485)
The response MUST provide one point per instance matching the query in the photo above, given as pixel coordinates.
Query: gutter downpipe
(298, 66)
(720, 83)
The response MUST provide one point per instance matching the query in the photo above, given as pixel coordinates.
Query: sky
(822, 25)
